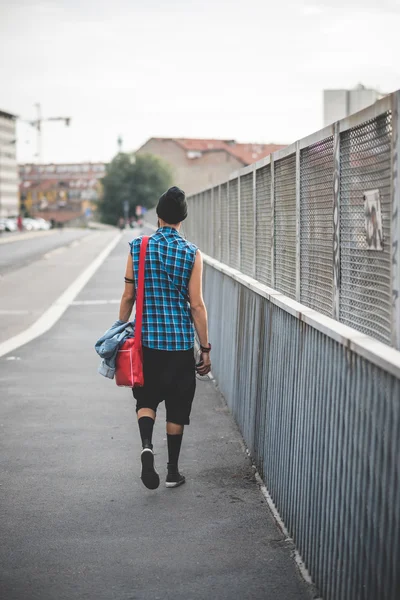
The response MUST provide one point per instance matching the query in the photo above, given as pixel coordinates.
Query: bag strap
(140, 292)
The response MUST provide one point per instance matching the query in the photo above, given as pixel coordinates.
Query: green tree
(138, 180)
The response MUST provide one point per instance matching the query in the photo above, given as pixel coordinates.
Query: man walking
(173, 303)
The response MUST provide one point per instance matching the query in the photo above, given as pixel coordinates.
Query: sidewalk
(77, 522)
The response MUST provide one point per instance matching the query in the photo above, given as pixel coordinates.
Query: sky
(251, 71)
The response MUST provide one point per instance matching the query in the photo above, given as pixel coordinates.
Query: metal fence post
(395, 228)
(254, 224)
(212, 224)
(298, 222)
(228, 227)
(217, 224)
(336, 221)
(202, 219)
(272, 222)
(239, 236)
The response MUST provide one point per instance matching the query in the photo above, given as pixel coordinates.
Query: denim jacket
(109, 344)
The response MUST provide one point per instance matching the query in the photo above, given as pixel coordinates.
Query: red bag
(129, 362)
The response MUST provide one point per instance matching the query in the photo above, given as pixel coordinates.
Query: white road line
(17, 237)
(57, 309)
(54, 252)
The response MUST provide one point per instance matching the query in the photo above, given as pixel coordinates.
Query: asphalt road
(17, 253)
(26, 292)
(76, 521)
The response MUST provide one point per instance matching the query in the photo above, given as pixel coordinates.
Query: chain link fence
(318, 221)
(285, 226)
(316, 226)
(247, 245)
(263, 242)
(365, 289)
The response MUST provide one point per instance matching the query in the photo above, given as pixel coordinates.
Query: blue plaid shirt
(167, 320)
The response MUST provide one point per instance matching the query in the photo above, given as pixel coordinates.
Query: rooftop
(245, 153)
(7, 115)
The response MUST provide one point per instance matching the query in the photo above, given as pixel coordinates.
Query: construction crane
(37, 123)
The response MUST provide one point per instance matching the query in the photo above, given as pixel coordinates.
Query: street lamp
(125, 203)
(2, 153)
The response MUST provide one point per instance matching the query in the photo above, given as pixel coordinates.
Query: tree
(137, 180)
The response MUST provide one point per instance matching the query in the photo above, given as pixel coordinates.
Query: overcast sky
(253, 71)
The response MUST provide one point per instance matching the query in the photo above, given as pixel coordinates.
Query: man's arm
(129, 293)
(197, 307)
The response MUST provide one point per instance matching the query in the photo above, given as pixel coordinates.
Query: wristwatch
(204, 349)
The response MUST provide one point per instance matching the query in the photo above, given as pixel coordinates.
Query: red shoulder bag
(129, 361)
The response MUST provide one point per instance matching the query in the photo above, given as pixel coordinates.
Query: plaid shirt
(167, 320)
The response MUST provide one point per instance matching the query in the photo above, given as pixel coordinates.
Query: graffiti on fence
(373, 220)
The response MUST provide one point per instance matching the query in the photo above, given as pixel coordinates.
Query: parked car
(8, 224)
(30, 224)
(43, 224)
(36, 224)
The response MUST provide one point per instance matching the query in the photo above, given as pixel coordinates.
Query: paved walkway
(77, 522)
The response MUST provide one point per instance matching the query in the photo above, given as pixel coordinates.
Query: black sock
(174, 448)
(146, 425)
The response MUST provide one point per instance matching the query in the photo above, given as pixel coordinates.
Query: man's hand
(204, 366)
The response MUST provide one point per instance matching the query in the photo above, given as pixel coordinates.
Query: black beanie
(172, 206)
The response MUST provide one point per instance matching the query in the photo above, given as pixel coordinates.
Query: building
(339, 104)
(8, 166)
(197, 164)
(61, 192)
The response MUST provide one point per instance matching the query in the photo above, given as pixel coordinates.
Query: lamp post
(11, 143)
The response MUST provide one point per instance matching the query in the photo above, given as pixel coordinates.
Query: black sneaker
(149, 476)
(174, 478)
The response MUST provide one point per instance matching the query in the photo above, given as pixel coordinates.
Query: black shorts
(168, 376)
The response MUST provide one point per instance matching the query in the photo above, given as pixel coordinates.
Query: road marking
(57, 309)
(91, 237)
(54, 252)
(88, 237)
(17, 237)
(94, 302)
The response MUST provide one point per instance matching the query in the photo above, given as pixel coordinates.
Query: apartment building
(61, 192)
(339, 104)
(8, 166)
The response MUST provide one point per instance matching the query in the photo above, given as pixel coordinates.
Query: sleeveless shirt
(167, 319)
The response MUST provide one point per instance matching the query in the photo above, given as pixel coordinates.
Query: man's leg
(178, 404)
(147, 399)
(146, 418)
(149, 476)
(174, 438)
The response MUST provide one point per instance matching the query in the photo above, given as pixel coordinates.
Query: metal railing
(318, 405)
(296, 221)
